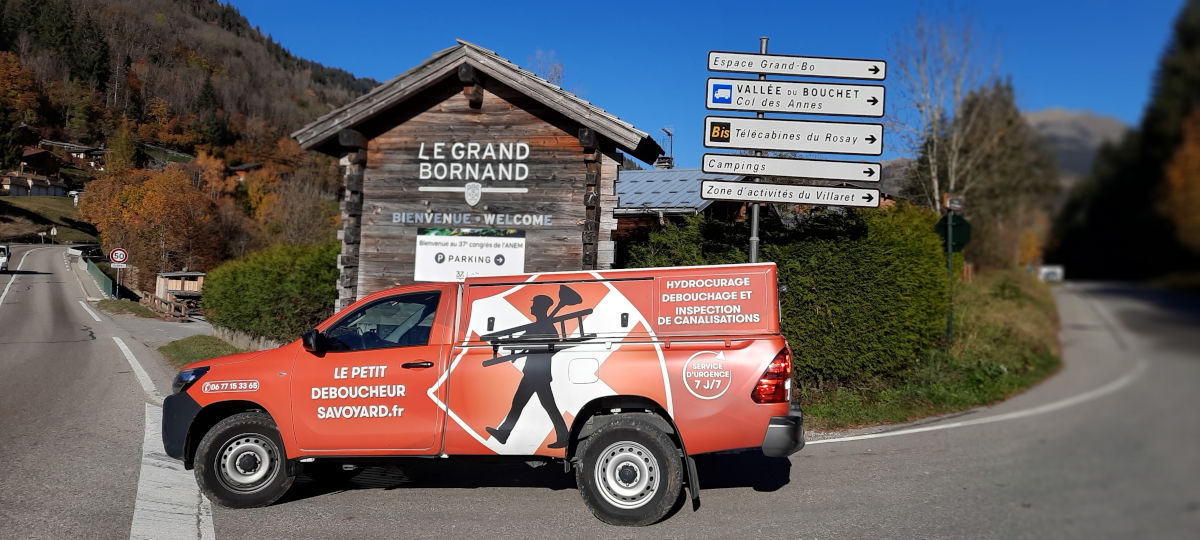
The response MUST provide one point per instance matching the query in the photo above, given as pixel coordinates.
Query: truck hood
(230, 359)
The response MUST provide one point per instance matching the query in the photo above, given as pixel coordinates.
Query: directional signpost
(792, 97)
(786, 193)
(793, 135)
(795, 97)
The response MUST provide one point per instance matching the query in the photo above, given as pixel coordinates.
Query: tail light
(776, 381)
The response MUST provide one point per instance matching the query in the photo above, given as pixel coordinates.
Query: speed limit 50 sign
(118, 255)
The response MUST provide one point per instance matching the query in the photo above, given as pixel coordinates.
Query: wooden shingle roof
(323, 131)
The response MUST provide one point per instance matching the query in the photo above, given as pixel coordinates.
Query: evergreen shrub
(278, 293)
(865, 294)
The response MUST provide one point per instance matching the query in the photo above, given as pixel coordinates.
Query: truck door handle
(422, 364)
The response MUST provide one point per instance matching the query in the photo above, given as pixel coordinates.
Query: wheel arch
(209, 416)
(603, 410)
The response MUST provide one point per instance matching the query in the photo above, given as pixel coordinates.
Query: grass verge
(126, 306)
(196, 348)
(22, 218)
(1006, 340)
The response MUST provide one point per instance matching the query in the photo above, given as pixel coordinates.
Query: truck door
(368, 392)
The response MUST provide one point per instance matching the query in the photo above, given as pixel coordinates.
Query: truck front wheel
(240, 462)
(631, 472)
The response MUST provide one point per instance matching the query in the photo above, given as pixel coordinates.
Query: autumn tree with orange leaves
(18, 103)
(1181, 194)
(164, 222)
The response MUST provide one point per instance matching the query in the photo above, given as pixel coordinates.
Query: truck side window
(397, 321)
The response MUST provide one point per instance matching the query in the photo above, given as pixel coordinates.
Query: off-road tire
(631, 473)
(241, 463)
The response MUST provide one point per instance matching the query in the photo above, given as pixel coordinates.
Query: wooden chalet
(469, 165)
(37, 174)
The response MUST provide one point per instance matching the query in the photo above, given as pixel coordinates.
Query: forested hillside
(1135, 215)
(142, 78)
(184, 73)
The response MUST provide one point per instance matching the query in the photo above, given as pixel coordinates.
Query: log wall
(570, 183)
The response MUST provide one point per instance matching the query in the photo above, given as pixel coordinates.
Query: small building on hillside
(36, 175)
(177, 293)
(469, 165)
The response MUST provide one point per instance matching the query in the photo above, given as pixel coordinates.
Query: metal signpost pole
(762, 48)
(950, 274)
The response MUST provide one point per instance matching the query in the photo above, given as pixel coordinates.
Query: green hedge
(866, 289)
(866, 294)
(278, 293)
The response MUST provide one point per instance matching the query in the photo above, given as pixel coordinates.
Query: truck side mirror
(314, 342)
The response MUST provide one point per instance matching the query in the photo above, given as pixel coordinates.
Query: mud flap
(693, 481)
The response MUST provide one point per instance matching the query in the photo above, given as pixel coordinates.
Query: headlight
(186, 377)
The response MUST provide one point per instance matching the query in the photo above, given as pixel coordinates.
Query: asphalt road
(1109, 447)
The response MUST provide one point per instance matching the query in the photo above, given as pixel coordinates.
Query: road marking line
(1109, 388)
(1115, 327)
(142, 376)
(169, 503)
(14, 276)
(89, 310)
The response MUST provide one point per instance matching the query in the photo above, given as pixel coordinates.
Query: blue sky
(645, 61)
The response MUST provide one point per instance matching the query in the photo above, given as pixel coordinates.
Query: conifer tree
(1113, 226)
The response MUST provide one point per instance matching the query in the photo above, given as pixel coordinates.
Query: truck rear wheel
(240, 462)
(631, 472)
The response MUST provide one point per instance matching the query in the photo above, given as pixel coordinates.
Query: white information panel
(804, 66)
(795, 97)
(798, 168)
(793, 135)
(784, 193)
(457, 254)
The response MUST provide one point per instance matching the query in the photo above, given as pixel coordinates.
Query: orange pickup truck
(623, 374)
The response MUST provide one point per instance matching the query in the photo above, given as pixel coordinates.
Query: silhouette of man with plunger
(537, 375)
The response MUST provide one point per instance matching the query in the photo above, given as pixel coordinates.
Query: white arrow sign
(795, 97)
(793, 135)
(805, 66)
(782, 193)
(802, 168)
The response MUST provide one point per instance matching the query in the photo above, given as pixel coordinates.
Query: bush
(866, 289)
(278, 293)
(866, 293)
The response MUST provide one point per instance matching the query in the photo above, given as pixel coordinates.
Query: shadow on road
(716, 471)
(1169, 311)
(1178, 303)
(23, 273)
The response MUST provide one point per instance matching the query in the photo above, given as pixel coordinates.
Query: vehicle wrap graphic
(551, 348)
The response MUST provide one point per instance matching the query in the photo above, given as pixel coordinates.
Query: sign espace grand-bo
(468, 165)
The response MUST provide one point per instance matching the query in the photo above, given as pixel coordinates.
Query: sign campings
(804, 168)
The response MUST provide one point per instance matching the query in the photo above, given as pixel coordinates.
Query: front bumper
(179, 410)
(785, 434)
